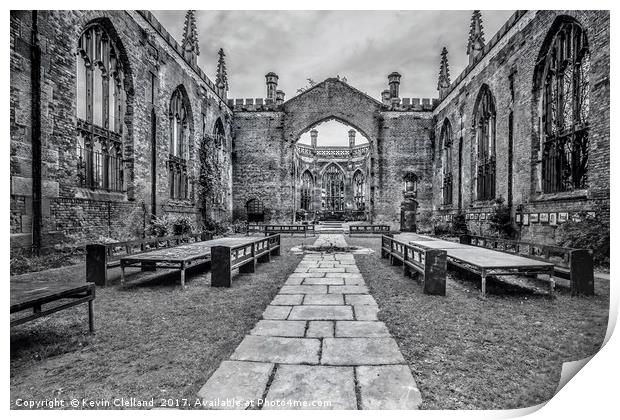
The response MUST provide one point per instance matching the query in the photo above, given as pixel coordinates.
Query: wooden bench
(244, 256)
(101, 257)
(255, 228)
(39, 295)
(292, 229)
(368, 229)
(573, 264)
(429, 263)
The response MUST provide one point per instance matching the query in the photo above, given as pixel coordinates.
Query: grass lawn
(153, 339)
(501, 352)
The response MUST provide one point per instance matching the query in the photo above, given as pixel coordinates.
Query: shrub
(589, 233)
(216, 227)
(499, 220)
(459, 225)
(169, 224)
(441, 229)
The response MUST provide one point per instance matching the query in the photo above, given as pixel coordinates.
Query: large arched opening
(331, 170)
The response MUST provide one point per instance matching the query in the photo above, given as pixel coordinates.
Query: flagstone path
(319, 342)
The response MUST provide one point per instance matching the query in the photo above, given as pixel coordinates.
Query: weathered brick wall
(516, 55)
(405, 145)
(146, 53)
(399, 141)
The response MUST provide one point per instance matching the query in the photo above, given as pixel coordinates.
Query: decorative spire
(221, 78)
(190, 37)
(444, 74)
(476, 36)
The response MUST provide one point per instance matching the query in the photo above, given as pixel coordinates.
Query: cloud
(364, 46)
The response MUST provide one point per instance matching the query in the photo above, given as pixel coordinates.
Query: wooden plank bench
(429, 263)
(101, 257)
(292, 229)
(369, 229)
(573, 264)
(40, 295)
(244, 256)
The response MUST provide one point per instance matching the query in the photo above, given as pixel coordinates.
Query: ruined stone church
(112, 122)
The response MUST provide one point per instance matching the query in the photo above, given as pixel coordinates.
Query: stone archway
(333, 99)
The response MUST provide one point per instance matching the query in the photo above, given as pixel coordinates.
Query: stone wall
(153, 61)
(514, 56)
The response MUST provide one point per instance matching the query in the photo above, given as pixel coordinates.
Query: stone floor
(319, 345)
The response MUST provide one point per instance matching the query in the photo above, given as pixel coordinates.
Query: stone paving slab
(313, 383)
(321, 312)
(276, 312)
(294, 281)
(287, 300)
(278, 328)
(361, 329)
(359, 300)
(317, 337)
(388, 388)
(320, 329)
(240, 382)
(303, 290)
(366, 312)
(331, 299)
(325, 280)
(361, 351)
(326, 270)
(278, 350)
(348, 289)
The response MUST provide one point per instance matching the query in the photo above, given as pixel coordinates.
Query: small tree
(308, 85)
(586, 232)
(499, 220)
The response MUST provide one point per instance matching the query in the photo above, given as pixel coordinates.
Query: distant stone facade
(112, 121)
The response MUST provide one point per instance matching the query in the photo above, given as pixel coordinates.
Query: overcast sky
(363, 46)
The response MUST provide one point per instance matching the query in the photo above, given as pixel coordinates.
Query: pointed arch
(445, 142)
(307, 187)
(562, 86)
(104, 93)
(484, 144)
(333, 188)
(359, 190)
(180, 116)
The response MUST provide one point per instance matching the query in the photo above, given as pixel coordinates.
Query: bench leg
(122, 273)
(484, 283)
(183, 275)
(91, 316)
(551, 284)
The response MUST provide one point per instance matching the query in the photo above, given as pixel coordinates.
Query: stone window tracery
(484, 124)
(565, 110)
(101, 99)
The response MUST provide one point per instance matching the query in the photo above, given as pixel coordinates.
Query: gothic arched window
(179, 139)
(484, 124)
(565, 110)
(446, 161)
(333, 189)
(101, 101)
(359, 191)
(307, 184)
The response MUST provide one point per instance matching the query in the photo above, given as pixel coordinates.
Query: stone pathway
(319, 342)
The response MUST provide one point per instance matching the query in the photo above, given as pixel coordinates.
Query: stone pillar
(385, 97)
(394, 82)
(279, 97)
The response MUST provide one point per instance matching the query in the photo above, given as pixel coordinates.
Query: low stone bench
(243, 256)
(369, 229)
(573, 264)
(429, 263)
(101, 257)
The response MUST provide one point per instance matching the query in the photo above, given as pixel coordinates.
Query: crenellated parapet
(255, 104)
(411, 104)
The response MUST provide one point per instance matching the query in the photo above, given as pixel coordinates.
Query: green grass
(465, 352)
(153, 339)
